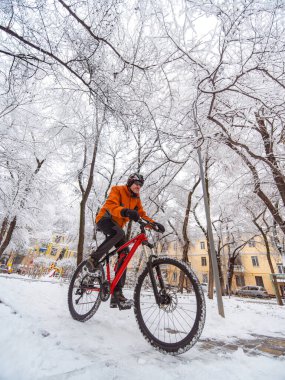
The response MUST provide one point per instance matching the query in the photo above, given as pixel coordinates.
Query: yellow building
(198, 257)
(58, 249)
(53, 250)
(251, 267)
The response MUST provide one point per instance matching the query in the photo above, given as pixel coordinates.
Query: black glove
(132, 214)
(160, 227)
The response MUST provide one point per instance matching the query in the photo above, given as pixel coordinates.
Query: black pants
(115, 236)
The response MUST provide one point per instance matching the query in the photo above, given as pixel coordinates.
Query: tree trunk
(231, 272)
(186, 237)
(222, 282)
(3, 228)
(274, 167)
(85, 194)
(277, 242)
(181, 283)
(232, 259)
(275, 285)
(211, 277)
(80, 246)
(8, 236)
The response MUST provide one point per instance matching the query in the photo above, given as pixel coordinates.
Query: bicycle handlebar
(144, 223)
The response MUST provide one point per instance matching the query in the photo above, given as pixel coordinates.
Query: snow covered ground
(39, 340)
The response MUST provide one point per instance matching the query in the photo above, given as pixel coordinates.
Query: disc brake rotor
(169, 300)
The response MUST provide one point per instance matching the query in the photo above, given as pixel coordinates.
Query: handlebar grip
(145, 222)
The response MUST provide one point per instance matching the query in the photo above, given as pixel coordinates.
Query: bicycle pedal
(125, 307)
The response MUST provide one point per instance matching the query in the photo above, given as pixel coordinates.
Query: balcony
(238, 268)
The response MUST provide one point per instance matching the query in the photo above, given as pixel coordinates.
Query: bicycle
(170, 320)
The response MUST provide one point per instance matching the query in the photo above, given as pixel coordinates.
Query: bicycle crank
(104, 291)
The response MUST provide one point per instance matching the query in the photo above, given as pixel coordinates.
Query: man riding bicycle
(122, 205)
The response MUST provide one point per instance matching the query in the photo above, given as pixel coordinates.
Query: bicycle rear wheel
(84, 292)
(176, 324)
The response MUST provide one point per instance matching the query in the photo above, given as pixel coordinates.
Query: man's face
(136, 186)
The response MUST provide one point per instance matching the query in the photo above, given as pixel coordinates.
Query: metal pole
(210, 234)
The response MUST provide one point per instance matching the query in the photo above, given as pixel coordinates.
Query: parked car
(204, 286)
(252, 291)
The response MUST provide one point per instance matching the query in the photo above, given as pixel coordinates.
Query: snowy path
(41, 341)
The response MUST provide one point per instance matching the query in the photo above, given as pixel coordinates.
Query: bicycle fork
(156, 292)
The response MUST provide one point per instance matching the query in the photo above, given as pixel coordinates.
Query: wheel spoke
(86, 303)
(150, 317)
(189, 311)
(149, 307)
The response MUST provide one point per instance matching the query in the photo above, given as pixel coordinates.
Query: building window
(205, 278)
(251, 243)
(254, 260)
(281, 268)
(259, 281)
(204, 261)
(53, 251)
(240, 281)
(57, 239)
(62, 254)
(202, 244)
(174, 276)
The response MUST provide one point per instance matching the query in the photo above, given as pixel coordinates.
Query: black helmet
(135, 177)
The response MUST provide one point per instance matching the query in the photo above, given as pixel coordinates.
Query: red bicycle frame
(137, 240)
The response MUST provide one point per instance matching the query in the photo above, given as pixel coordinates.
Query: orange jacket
(119, 198)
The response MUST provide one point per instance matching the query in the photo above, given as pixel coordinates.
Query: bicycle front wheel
(84, 292)
(175, 324)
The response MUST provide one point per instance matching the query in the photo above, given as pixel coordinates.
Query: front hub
(168, 300)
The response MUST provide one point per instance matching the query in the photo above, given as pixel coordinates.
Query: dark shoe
(113, 302)
(92, 265)
(120, 301)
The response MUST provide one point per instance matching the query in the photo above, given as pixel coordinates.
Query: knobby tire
(72, 296)
(194, 318)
